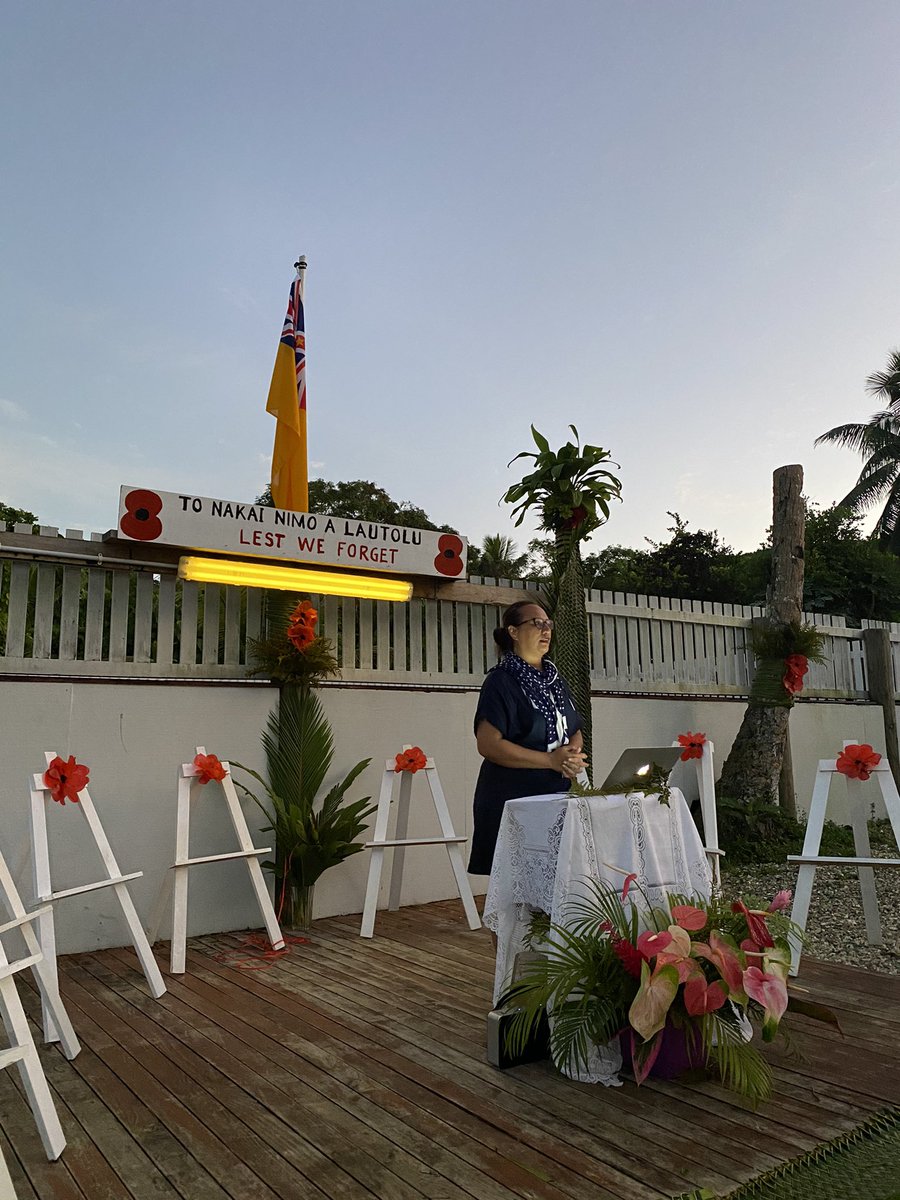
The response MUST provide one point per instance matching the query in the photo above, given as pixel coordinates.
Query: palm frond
(740, 1064)
(299, 746)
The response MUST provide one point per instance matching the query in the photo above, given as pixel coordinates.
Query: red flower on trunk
(857, 762)
(796, 666)
(66, 779)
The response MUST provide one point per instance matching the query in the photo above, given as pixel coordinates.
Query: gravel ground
(836, 929)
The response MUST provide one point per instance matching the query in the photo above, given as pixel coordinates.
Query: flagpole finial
(300, 264)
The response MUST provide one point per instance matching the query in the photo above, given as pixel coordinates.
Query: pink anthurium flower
(652, 941)
(701, 997)
(781, 900)
(681, 941)
(771, 992)
(686, 966)
(689, 917)
(723, 953)
(654, 999)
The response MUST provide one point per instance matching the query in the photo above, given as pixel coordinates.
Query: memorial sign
(200, 523)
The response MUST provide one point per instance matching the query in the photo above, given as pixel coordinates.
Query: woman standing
(526, 726)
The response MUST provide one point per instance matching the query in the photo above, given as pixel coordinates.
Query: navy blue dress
(504, 705)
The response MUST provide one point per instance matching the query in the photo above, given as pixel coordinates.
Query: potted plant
(310, 835)
(686, 990)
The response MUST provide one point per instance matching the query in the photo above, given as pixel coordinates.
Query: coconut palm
(498, 557)
(878, 441)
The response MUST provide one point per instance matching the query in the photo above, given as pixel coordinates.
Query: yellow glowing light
(293, 579)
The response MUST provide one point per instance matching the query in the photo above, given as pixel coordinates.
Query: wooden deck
(356, 1068)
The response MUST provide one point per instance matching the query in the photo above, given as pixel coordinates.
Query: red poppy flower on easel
(301, 625)
(64, 780)
(208, 767)
(693, 745)
(796, 666)
(858, 762)
(411, 759)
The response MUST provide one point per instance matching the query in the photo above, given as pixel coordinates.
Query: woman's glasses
(538, 623)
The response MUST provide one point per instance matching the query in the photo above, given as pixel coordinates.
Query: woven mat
(864, 1163)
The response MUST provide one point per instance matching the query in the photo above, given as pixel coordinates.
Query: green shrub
(760, 832)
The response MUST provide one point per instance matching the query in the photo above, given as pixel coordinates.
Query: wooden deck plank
(356, 1068)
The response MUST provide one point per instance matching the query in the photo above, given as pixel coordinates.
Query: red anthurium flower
(796, 666)
(750, 948)
(686, 966)
(629, 880)
(700, 997)
(693, 745)
(66, 779)
(411, 760)
(689, 917)
(781, 900)
(856, 762)
(208, 767)
(651, 942)
(756, 924)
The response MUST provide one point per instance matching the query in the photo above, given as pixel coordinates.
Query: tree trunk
(571, 651)
(753, 768)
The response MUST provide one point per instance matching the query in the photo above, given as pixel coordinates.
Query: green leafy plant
(699, 967)
(299, 748)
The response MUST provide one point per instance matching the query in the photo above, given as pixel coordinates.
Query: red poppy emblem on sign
(141, 520)
(448, 560)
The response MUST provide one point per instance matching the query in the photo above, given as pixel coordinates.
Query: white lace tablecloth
(549, 845)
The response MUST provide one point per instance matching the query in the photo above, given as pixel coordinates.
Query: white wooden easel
(187, 789)
(22, 1050)
(810, 858)
(380, 842)
(7, 1191)
(707, 785)
(44, 893)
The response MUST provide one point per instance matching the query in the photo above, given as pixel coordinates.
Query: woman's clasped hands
(568, 761)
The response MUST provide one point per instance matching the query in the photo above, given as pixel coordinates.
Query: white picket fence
(94, 618)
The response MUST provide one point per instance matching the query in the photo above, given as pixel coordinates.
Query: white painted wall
(133, 737)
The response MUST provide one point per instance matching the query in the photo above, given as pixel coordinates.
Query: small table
(549, 845)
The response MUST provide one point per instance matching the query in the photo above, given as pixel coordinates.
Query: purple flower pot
(681, 1050)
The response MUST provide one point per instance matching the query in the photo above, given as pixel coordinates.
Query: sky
(671, 223)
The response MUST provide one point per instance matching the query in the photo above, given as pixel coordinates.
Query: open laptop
(634, 765)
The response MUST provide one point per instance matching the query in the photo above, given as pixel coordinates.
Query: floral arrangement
(209, 767)
(703, 972)
(65, 779)
(292, 652)
(783, 654)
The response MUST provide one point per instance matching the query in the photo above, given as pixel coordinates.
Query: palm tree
(878, 441)
(498, 558)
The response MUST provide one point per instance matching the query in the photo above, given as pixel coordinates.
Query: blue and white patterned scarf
(544, 688)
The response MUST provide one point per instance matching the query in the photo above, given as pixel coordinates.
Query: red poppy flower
(208, 767)
(304, 614)
(796, 666)
(857, 762)
(66, 779)
(411, 760)
(693, 745)
(301, 635)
